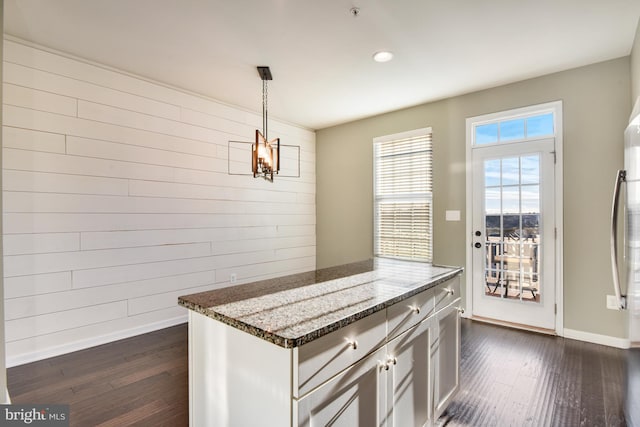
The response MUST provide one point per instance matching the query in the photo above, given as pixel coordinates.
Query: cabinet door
(446, 356)
(355, 397)
(409, 377)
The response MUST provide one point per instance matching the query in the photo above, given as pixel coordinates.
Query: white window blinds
(402, 172)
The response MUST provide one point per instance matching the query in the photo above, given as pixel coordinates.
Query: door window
(512, 227)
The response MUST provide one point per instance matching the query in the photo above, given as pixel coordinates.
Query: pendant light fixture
(265, 154)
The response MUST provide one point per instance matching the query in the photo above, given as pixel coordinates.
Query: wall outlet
(612, 302)
(233, 277)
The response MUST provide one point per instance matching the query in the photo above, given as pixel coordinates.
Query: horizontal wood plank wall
(118, 199)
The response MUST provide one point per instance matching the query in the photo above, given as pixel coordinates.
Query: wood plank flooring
(517, 378)
(508, 378)
(141, 380)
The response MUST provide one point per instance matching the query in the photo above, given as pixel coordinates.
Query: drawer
(327, 356)
(447, 292)
(405, 314)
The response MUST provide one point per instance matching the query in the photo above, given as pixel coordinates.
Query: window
(402, 192)
(514, 129)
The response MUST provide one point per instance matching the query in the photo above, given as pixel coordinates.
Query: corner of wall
(635, 66)
(3, 365)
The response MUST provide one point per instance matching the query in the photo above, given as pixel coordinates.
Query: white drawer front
(447, 292)
(325, 357)
(405, 314)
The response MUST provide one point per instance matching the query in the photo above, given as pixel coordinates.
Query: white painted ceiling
(321, 56)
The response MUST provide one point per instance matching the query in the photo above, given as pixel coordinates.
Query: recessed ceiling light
(383, 56)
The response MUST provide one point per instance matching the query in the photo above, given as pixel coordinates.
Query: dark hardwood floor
(508, 378)
(517, 378)
(137, 381)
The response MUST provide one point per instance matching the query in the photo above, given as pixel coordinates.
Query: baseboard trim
(24, 358)
(607, 340)
(513, 325)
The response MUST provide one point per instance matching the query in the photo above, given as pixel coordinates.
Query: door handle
(478, 245)
(620, 178)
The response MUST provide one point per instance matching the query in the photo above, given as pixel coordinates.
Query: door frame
(556, 108)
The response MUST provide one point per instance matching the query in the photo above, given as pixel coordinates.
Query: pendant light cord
(264, 109)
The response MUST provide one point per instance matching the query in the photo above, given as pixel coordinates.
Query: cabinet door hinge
(555, 308)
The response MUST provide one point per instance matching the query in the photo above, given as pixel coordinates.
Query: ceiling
(320, 55)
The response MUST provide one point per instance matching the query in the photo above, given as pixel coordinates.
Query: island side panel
(236, 379)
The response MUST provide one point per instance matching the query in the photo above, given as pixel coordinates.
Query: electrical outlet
(612, 302)
(233, 277)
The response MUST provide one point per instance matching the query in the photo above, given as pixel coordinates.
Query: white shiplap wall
(117, 199)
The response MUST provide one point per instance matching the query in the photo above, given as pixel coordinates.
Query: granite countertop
(292, 310)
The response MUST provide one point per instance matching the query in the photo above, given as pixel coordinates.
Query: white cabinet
(425, 377)
(327, 356)
(446, 356)
(405, 314)
(409, 389)
(398, 367)
(390, 387)
(355, 397)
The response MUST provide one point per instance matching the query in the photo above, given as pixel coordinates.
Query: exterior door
(513, 226)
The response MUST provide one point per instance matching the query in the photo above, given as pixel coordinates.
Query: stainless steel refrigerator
(627, 291)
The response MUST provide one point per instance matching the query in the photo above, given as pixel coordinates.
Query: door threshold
(514, 325)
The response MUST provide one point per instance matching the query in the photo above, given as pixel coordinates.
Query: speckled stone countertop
(293, 310)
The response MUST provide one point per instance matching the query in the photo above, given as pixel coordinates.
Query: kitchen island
(369, 343)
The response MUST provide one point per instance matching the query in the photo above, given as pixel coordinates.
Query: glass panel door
(513, 224)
